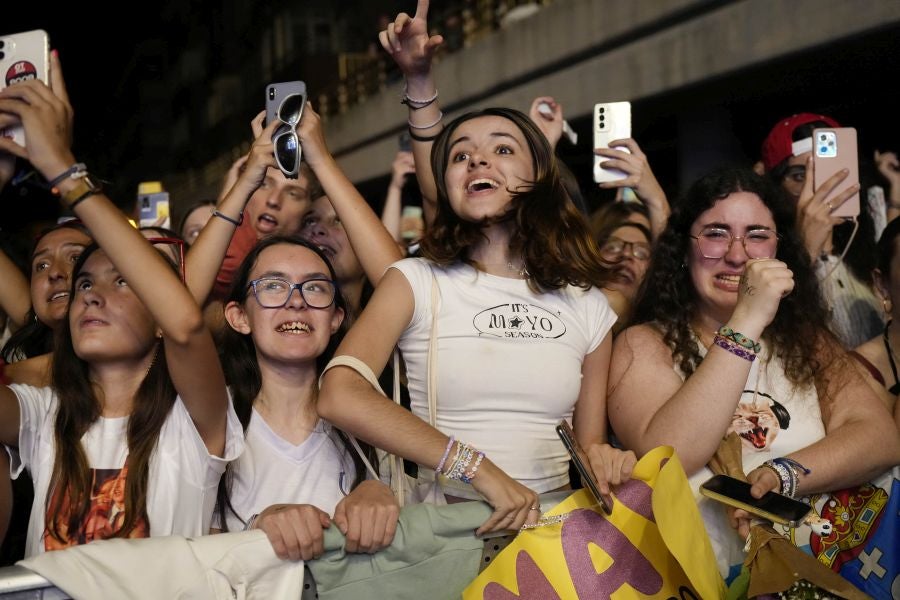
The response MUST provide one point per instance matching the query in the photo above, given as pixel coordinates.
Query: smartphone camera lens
(2, 43)
(823, 150)
(602, 110)
(2, 55)
(823, 137)
(271, 93)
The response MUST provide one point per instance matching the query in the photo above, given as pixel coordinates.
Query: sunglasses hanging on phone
(285, 102)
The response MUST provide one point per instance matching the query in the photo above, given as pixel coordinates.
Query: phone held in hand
(773, 507)
(285, 102)
(580, 458)
(612, 121)
(153, 204)
(23, 56)
(834, 149)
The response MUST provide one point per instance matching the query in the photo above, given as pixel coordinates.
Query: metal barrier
(18, 583)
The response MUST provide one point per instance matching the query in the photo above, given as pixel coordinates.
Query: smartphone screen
(834, 149)
(580, 459)
(772, 506)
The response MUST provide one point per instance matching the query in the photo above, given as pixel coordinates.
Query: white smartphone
(612, 121)
(23, 56)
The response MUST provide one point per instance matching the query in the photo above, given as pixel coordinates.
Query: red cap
(777, 145)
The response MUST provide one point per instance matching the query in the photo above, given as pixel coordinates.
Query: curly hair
(668, 299)
(549, 232)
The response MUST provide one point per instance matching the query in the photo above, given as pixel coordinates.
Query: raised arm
(371, 242)
(412, 48)
(404, 164)
(640, 178)
(351, 403)
(205, 258)
(190, 352)
(15, 293)
(889, 166)
(692, 416)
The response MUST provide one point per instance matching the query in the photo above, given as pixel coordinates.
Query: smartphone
(579, 457)
(404, 142)
(275, 95)
(612, 121)
(154, 210)
(23, 56)
(774, 507)
(835, 149)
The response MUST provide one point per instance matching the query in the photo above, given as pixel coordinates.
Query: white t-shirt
(508, 364)
(775, 418)
(182, 480)
(318, 471)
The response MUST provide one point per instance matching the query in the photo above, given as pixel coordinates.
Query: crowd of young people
(132, 422)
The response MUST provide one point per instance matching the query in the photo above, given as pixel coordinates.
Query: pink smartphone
(834, 149)
(23, 56)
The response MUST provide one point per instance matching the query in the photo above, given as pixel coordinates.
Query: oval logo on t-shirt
(519, 321)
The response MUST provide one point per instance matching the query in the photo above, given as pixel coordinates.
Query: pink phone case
(834, 149)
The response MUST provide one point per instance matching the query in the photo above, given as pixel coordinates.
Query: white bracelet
(430, 125)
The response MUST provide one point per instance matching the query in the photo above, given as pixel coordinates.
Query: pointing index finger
(422, 10)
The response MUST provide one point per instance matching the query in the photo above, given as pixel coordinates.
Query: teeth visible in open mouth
(293, 327)
(59, 295)
(267, 218)
(479, 185)
(729, 278)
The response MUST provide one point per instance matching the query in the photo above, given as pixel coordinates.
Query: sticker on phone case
(20, 71)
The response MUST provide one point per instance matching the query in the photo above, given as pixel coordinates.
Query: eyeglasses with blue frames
(274, 292)
(716, 242)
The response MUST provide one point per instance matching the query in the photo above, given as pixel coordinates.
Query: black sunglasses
(287, 144)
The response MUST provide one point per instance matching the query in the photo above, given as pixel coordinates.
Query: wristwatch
(84, 187)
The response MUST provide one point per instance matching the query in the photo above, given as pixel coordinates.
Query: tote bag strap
(367, 374)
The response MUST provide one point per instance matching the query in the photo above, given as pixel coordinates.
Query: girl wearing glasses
(297, 471)
(732, 325)
(137, 389)
(511, 284)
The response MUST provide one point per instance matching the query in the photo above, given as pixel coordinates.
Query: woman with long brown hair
(137, 390)
(508, 293)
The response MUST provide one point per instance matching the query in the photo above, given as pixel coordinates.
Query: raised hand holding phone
(612, 121)
(285, 103)
(23, 57)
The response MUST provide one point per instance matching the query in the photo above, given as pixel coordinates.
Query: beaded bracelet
(469, 475)
(236, 222)
(430, 125)
(739, 338)
(72, 172)
(734, 348)
(440, 465)
(251, 522)
(415, 104)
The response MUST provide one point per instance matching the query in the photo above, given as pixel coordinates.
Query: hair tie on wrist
(422, 138)
(236, 222)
